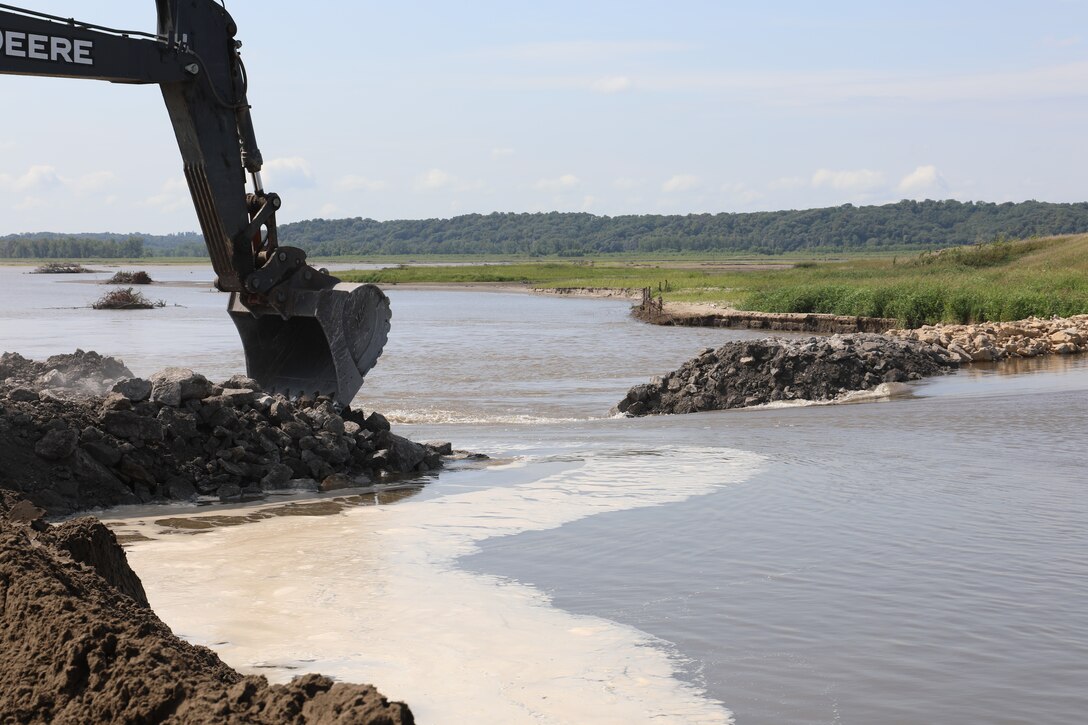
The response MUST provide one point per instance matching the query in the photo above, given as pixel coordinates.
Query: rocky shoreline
(81, 644)
(990, 341)
(623, 293)
(79, 432)
(756, 372)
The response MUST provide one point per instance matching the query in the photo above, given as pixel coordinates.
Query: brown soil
(78, 644)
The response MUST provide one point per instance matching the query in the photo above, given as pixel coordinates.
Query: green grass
(998, 281)
(991, 282)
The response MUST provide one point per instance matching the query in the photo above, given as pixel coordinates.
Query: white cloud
(352, 182)
(36, 178)
(328, 211)
(502, 151)
(588, 201)
(922, 181)
(852, 180)
(173, 196)
(680, 182)
(580, 51)
(432, 179)
(439, 180)
(626, 182)
(289, 172)
(566, 181)
(788, 182)
(42, 178)
(94, 181)
(611, 84)
(821, 88)
(742, 194)
(29, 203)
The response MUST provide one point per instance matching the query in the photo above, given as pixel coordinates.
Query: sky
(433, 109)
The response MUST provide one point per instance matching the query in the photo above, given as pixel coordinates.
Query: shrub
(125, 299)
(138, 277)
(61, 268)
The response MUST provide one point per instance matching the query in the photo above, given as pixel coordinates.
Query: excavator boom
(302, 330)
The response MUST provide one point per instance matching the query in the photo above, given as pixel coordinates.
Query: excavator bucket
(322, 343)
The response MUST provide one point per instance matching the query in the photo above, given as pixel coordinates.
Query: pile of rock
(987, 341)
(80, 432)
(756, 372)
(81, 644)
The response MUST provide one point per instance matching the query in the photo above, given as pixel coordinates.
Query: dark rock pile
(80, 644)
(79, 431)
(756, 372)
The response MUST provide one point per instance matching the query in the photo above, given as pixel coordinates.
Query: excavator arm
(302, 330)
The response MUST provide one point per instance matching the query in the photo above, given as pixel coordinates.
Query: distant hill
(905, 225)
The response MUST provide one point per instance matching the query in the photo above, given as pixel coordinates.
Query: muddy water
(921, 559)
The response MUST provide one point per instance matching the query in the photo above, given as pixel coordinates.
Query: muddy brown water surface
(923, 558)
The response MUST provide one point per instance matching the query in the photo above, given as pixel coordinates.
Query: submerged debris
(137, 277)
(62, 268)
(125, 298)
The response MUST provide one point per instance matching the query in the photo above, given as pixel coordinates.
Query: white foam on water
(424, 416)
(880, 392)
(374, 595)
(884, 390)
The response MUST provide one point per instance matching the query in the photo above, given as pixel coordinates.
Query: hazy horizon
(435, 111)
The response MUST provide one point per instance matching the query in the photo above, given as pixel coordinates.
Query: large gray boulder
(173, 386)
(135, 390)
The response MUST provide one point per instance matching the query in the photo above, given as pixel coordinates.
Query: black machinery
(303, 331)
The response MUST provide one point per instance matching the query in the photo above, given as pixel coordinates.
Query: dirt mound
(76, 648)
(74, 374)
(179, 436)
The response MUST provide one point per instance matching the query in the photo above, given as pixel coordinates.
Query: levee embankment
(694, 314)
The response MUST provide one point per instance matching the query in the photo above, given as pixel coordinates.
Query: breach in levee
(303, 331)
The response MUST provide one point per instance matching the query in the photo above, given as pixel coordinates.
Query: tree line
(92, 245)
(906, 225)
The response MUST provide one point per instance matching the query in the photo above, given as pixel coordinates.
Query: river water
(916, 559)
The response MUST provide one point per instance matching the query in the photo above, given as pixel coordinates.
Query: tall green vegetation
(1002, 280)
(92, 245)
(988, 282)
(70, 247)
